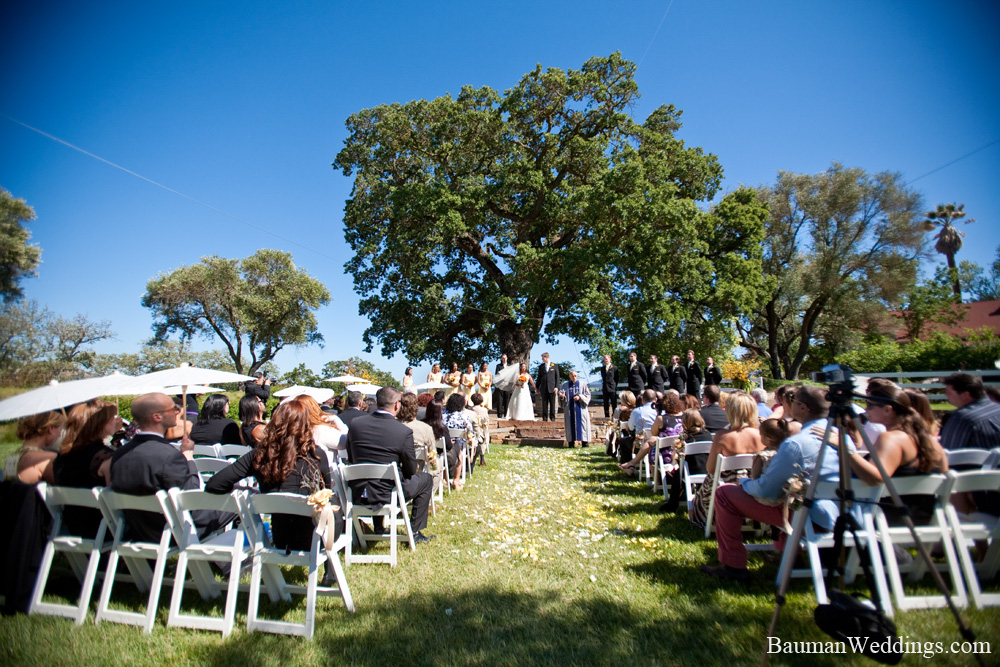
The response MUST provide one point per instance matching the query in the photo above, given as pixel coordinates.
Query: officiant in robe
(576, 416)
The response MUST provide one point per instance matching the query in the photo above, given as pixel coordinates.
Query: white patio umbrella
(348, 379)
(319, 393)
(183, 376)
(193, 389)
(366, 389)
(430, 385)
(57, 395)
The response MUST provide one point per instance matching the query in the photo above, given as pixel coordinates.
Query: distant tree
(37, 345)
(18, 259)
(360, 368)
(949, 239)
(982, 285)
(301, 375)
(834, 240)
(157, 355)
(486, 222)
(931, 301)
(255, 306)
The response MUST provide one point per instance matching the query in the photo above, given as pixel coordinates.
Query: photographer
(261, 387)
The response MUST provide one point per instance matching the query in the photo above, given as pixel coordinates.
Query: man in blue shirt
(798, 453)
(760, 396)
(976, 420)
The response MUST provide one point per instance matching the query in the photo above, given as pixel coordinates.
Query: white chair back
(394, 513)
(724, 464)
(966, 457)
(966, 530)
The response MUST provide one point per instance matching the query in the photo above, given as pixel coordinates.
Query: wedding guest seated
(712, 412)
(423, 436)
(40, 435)
(693, 430)
(422, 401)
(84, 460)
(640, 422)
(286, 460)
(623, 439)
(759, 395)
(692, 401)
(741, 437)
(354, 409)
(455, 417)
(668, 422)
(976, 420)
(251, 420)
(772, 433)
(328, 431)
(213, 426)
(434, 417)
(183, 427)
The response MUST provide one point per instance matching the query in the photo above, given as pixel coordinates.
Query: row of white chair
(219, 451)
(956, 533)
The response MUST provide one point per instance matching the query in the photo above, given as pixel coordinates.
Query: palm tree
(949, 238)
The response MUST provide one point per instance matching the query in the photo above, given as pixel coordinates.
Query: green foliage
(932, 301)
(940, 352)
(359, 367)
(487, 222)
(840, 247)
(256, 305)
(156, 355)
(980, 285)
(37, 345)
(18, 259)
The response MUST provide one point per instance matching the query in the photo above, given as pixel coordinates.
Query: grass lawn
(548, 557)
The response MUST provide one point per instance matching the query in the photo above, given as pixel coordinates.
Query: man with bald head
(149, 463)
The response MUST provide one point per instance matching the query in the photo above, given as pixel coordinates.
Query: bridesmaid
(408, 381)
(452, 379)
(435, 374)
(485, 381)
(468, 383)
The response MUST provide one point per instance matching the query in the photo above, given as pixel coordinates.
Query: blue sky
(241, 105)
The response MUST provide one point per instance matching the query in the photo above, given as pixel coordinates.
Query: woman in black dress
(213, 426)
(84, 461)
(285, 460)
(252, 418)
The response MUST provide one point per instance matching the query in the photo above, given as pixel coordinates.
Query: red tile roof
(978, 314)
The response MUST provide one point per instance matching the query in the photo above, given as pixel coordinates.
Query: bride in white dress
(521, 406)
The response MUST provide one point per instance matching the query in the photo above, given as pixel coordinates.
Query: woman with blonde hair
(40, 436)
(742, 437)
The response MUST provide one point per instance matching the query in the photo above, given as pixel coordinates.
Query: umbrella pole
(184, 411)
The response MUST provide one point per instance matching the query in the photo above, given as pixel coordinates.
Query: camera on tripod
(834, 374)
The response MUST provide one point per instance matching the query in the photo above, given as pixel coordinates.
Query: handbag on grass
(853, 621)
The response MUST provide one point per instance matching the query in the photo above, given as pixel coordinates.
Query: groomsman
(501, 398)
(678, 376)
(636, 375)
(694, 375)
(609, 386)
(657, 374)
(713, 376)
(547, 383)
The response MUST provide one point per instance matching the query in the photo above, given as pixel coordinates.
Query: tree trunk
(516, 341)
(953, 273)
(772, 340)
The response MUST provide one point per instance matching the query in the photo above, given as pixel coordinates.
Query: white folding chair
(966, 529)
(813, 541)
(936, 531)
(208, 467)
(646, 469)
(233, 451)
(135, 552)
(211, 451)
(688, 481)
(724, 464)
(446, 475)
(465, 461)
(223, 547)
(394, 512)
(84, 553)
(966, 458)
(659, 473)
(267, 557)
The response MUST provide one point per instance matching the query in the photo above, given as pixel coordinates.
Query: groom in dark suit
(547, 383)
(380, 438)
(148, 463)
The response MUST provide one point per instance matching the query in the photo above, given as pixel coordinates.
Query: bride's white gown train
(521, 407)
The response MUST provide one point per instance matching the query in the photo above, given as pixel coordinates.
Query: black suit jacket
(609, 379)
(547, 382)
(678, 378)
(713, 376)
(380, 438)
(637, 378)
(657, 376)
(350, 414)
(147, 464)
(694, 377)
(715, 418)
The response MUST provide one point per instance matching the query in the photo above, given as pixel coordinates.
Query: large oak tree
(256, 306)
(484, 222)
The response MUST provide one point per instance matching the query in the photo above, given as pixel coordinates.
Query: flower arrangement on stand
(743, 372)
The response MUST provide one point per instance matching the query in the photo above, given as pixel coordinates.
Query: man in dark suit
(693, 369)
(657, 374)
(148, 463)
(501, 397)
(547, 383)
(636, 375)
(353, 410)
(609, 386)
(713, 376)
(678, 375)
(380, 438)
(713, 414)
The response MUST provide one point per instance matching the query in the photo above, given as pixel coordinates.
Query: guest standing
(609, 386)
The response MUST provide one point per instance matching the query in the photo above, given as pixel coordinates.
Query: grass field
(548, 557)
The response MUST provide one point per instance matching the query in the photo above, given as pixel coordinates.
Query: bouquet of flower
(521, 379)
(795, 488)
(468, 383)
(743, 373)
